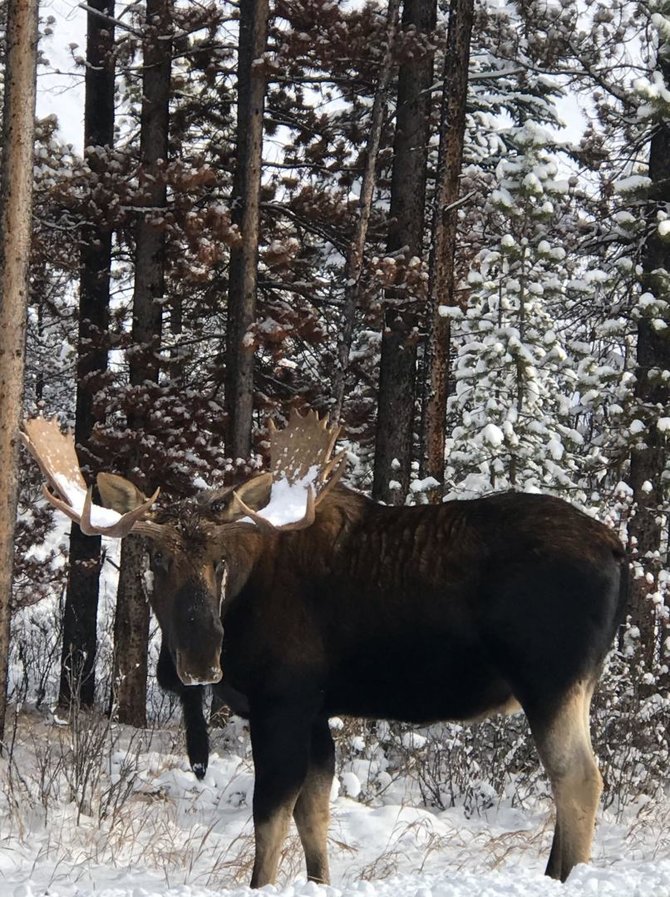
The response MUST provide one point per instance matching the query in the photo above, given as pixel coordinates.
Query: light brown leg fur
(312, 814)
(270, 836)
(564, 745)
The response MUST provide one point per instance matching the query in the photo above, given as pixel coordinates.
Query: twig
(117, 22)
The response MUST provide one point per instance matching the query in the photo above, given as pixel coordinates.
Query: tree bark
(81, 602)
(131, 637)
(356, 256)
(397, 370)
(652, 392)
(246, 214)
(445, 225)
(15, 232)
(131, 629)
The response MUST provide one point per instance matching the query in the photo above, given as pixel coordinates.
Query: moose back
(447, 612)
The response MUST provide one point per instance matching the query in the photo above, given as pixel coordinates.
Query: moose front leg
(197, 739)
(280, 742)
(312, 809)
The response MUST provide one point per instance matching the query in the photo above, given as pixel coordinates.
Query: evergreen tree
(15, 228)
(81, 603)
(514, 383)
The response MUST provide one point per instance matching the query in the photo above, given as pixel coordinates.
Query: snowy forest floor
(99, 809)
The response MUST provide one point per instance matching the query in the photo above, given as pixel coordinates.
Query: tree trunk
(397, 370)
(246, 205)
(356, 256)
(81, 600)
(131, 630)
(445, 225)
(653, 395)
(15, 232)
(131, 637)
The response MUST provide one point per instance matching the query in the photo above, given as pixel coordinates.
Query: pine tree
(81, 603)
(513, 380)
(405, 245)
(15, 227)
(244, 257)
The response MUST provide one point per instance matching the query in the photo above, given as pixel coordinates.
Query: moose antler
(55, 454)
(302, 472)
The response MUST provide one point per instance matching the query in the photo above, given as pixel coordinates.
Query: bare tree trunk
(246, 214)
(397, 369)
(355, 258)
(131, 637)
(442, 279)
(15, 232)
(648, 462)
(81, 601)
(244, 258)
(131, 630)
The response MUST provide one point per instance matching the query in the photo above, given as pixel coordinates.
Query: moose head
(201, 550)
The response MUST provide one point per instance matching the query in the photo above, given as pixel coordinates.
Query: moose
(301, 599)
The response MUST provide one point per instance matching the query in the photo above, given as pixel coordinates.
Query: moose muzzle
(198, 673)
(197, 638)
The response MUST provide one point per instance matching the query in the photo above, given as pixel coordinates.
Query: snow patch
(493, 435)
(288, 501)
(75, 495)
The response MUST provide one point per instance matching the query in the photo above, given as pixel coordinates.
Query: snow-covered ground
(116, 813)
(100, 810)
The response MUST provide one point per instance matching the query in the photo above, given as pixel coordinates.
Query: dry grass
(94, 794)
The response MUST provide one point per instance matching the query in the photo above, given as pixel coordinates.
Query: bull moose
(303, 599)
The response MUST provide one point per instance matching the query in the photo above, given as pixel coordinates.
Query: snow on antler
(303, 471)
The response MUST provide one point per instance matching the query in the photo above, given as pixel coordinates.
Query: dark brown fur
(418, 614)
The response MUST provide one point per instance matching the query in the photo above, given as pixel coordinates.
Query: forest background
(373, 210)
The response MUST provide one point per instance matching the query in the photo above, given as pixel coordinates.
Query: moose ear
(255, 493)
(118, 493)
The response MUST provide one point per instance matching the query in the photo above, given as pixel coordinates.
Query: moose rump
(421, 614)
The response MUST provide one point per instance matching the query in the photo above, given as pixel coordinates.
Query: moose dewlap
(346, 607)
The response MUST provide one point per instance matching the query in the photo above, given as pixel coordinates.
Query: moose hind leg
(312, 808)
(280, 739)
(564, 744)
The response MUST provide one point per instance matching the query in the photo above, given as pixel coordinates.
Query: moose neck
(317, 548)
(243, 548)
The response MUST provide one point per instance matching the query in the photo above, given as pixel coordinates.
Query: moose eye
(219, 505)
(220, 568)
